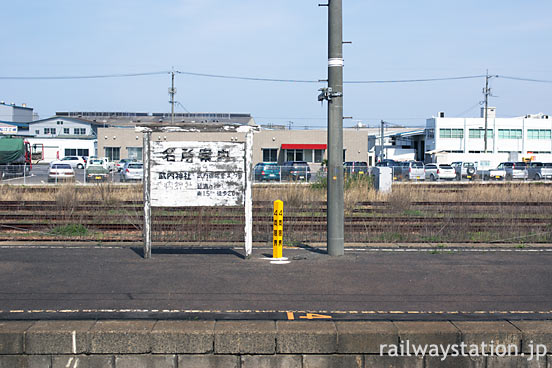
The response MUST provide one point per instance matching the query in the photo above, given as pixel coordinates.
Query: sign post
(194, 173)
(278, 229)
(146, 149)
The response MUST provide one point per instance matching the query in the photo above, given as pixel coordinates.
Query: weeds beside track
(515, 213)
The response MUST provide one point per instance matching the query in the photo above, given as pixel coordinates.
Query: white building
(508, 139)
(64, 136)
(13, 113)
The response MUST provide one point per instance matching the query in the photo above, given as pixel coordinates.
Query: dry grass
(295, 195)
(307, 202)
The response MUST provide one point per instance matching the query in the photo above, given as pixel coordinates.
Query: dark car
(296, 170)
(267, 171)
(394, 165)
(355, 167)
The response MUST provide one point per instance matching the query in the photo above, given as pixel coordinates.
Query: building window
(451, 133)
(113, 153)
(538, 133)
(79, 131)
(509, 134)
(270, 155)
(430, 133)
(480, 133)
(49, 130)
(294, 155)
(59, 122)
(66, 131)
(318, 156)
(76, 152)
(135, 153)
(37, 131)
(307, 155)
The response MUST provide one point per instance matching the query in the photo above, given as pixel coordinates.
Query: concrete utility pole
(172, 92)
(335, 224)
(486, 91)
(382, 132)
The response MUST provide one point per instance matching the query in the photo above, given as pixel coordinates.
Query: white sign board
(8, 129)
(197, 174)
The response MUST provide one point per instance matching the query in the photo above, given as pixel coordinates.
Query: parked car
(395, 165)
(132, 171)
(295, 170)
(266, 171)
(60, 172)
(465, 170)
(355, 167)
(539, 170)
(96, 172)
(75, 161)
(412, 170)
(514, 170)
(103, 161)
(435, 172)
(119, 165)
(495, 174)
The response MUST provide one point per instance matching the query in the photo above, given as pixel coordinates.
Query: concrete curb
(243, 344)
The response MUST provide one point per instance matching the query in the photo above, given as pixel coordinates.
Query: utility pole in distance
(334, 95)
(487, 93)
(172, 92)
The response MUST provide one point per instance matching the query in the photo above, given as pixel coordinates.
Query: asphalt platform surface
(89, 282)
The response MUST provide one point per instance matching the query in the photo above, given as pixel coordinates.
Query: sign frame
(248, 176)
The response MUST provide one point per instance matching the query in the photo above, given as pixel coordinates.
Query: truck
(15, 156)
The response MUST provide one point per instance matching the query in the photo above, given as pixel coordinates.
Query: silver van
(412, 170)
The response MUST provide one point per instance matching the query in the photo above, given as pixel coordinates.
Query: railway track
(189, 218)
(367, 221)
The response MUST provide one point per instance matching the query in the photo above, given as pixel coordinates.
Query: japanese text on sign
(197, 174)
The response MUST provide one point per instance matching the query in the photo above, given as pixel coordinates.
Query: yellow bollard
(278, 229)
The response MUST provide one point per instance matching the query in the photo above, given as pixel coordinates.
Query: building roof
(15, 106)
(122, 119)
(403, 132)
(76, 120)
(19, 125)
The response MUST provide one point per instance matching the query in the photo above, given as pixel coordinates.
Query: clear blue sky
(394, 39)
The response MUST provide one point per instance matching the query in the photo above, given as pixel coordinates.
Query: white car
(435, 172)
(108, 165)
(132, 171)
(59, 171)
(121, 164)
(76, 162)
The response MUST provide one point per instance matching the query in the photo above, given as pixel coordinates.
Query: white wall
(54, 148)
(63, 123)
(495, 145)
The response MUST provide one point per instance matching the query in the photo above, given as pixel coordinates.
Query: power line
(122, 75)
(468, 109)
(248, 78)
(260, 79)
(415, 80)
(524, 79)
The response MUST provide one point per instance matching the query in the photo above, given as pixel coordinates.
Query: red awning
(304, 146)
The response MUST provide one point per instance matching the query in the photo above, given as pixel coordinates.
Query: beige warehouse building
(269, 145)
